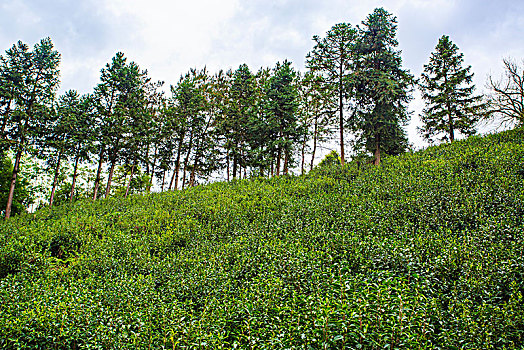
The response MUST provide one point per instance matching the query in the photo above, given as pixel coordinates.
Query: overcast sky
(169, 37)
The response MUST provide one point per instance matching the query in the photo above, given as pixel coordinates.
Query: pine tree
(120, 102)
(383, 87)
(239, 112)
(283, 103)
(448, 91)
(316, 105)
(333, 57)
(33, 95)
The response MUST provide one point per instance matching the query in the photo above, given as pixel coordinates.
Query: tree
(448, 91)
(333, 58)
(13, 69)
(33, 95)
(22, 197)
(507, 94)
(239, 112)
(383, 87)
(315, 106)
(82, 136)
(283, 102)
(120, 100)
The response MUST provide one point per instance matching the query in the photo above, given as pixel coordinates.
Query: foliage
(423, 252)
(32, 80)
(332, 158)
(333, 58)
(448, 90)
(383, 87)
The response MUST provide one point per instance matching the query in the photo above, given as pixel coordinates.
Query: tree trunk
(450, 116)
(130, 179)
(12, 186)
(186, 159)
(74, 179)
(451, 128)
(227, 167)
(192, 177)
(286, 160)
(147, 159)
(377, 154)
(163, 180)
(272, 165)
(315, 136)
(184, 178)
(303, 157)
(152, 171)
(98, 173)
(341, 118)
(235, 165)
(279, 155)
(55, 180)
(110, 177)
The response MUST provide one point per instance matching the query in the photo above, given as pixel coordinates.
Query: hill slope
(426, 252)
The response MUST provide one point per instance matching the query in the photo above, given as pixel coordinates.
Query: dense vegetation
(422, 252)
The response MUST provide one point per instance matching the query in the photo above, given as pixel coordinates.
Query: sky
(169, 37)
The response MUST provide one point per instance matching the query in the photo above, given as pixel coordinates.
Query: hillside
(425, 252)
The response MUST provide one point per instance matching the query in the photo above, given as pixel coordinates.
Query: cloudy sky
(169, 37)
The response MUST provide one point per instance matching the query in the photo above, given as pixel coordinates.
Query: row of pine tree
(237, 122)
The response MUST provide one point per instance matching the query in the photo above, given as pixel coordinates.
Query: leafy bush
(423, 252)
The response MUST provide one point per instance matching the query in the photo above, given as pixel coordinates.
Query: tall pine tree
(333, 57)
(383, 87)
(27, 119)
(448, 91)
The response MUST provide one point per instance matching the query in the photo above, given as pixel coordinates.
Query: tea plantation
(425, 252)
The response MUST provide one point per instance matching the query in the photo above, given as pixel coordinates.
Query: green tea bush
(424, 252)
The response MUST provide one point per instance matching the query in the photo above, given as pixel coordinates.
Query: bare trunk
(110, 177)
(184, 178)
(192, 176)
(186, 159)
(235, 165)
(74, 179)
(152, 171)
(12, 186)
(279, 155)
(303, 157)
(286, 160)
(163, 180)
(315, 136)
(341, 119)
(55, 180)
(98, 174)
(450, 116)
(172, 180)
(147, 159)
(177, 173)
(272, 165)
(451, 128)
(227, 167)
(377, 154)
(130, 179)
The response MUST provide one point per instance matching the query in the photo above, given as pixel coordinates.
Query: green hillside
(425, 252)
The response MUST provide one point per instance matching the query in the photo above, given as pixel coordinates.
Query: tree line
(236, 122)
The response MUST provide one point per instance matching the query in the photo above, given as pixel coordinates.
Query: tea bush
(424, 252)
